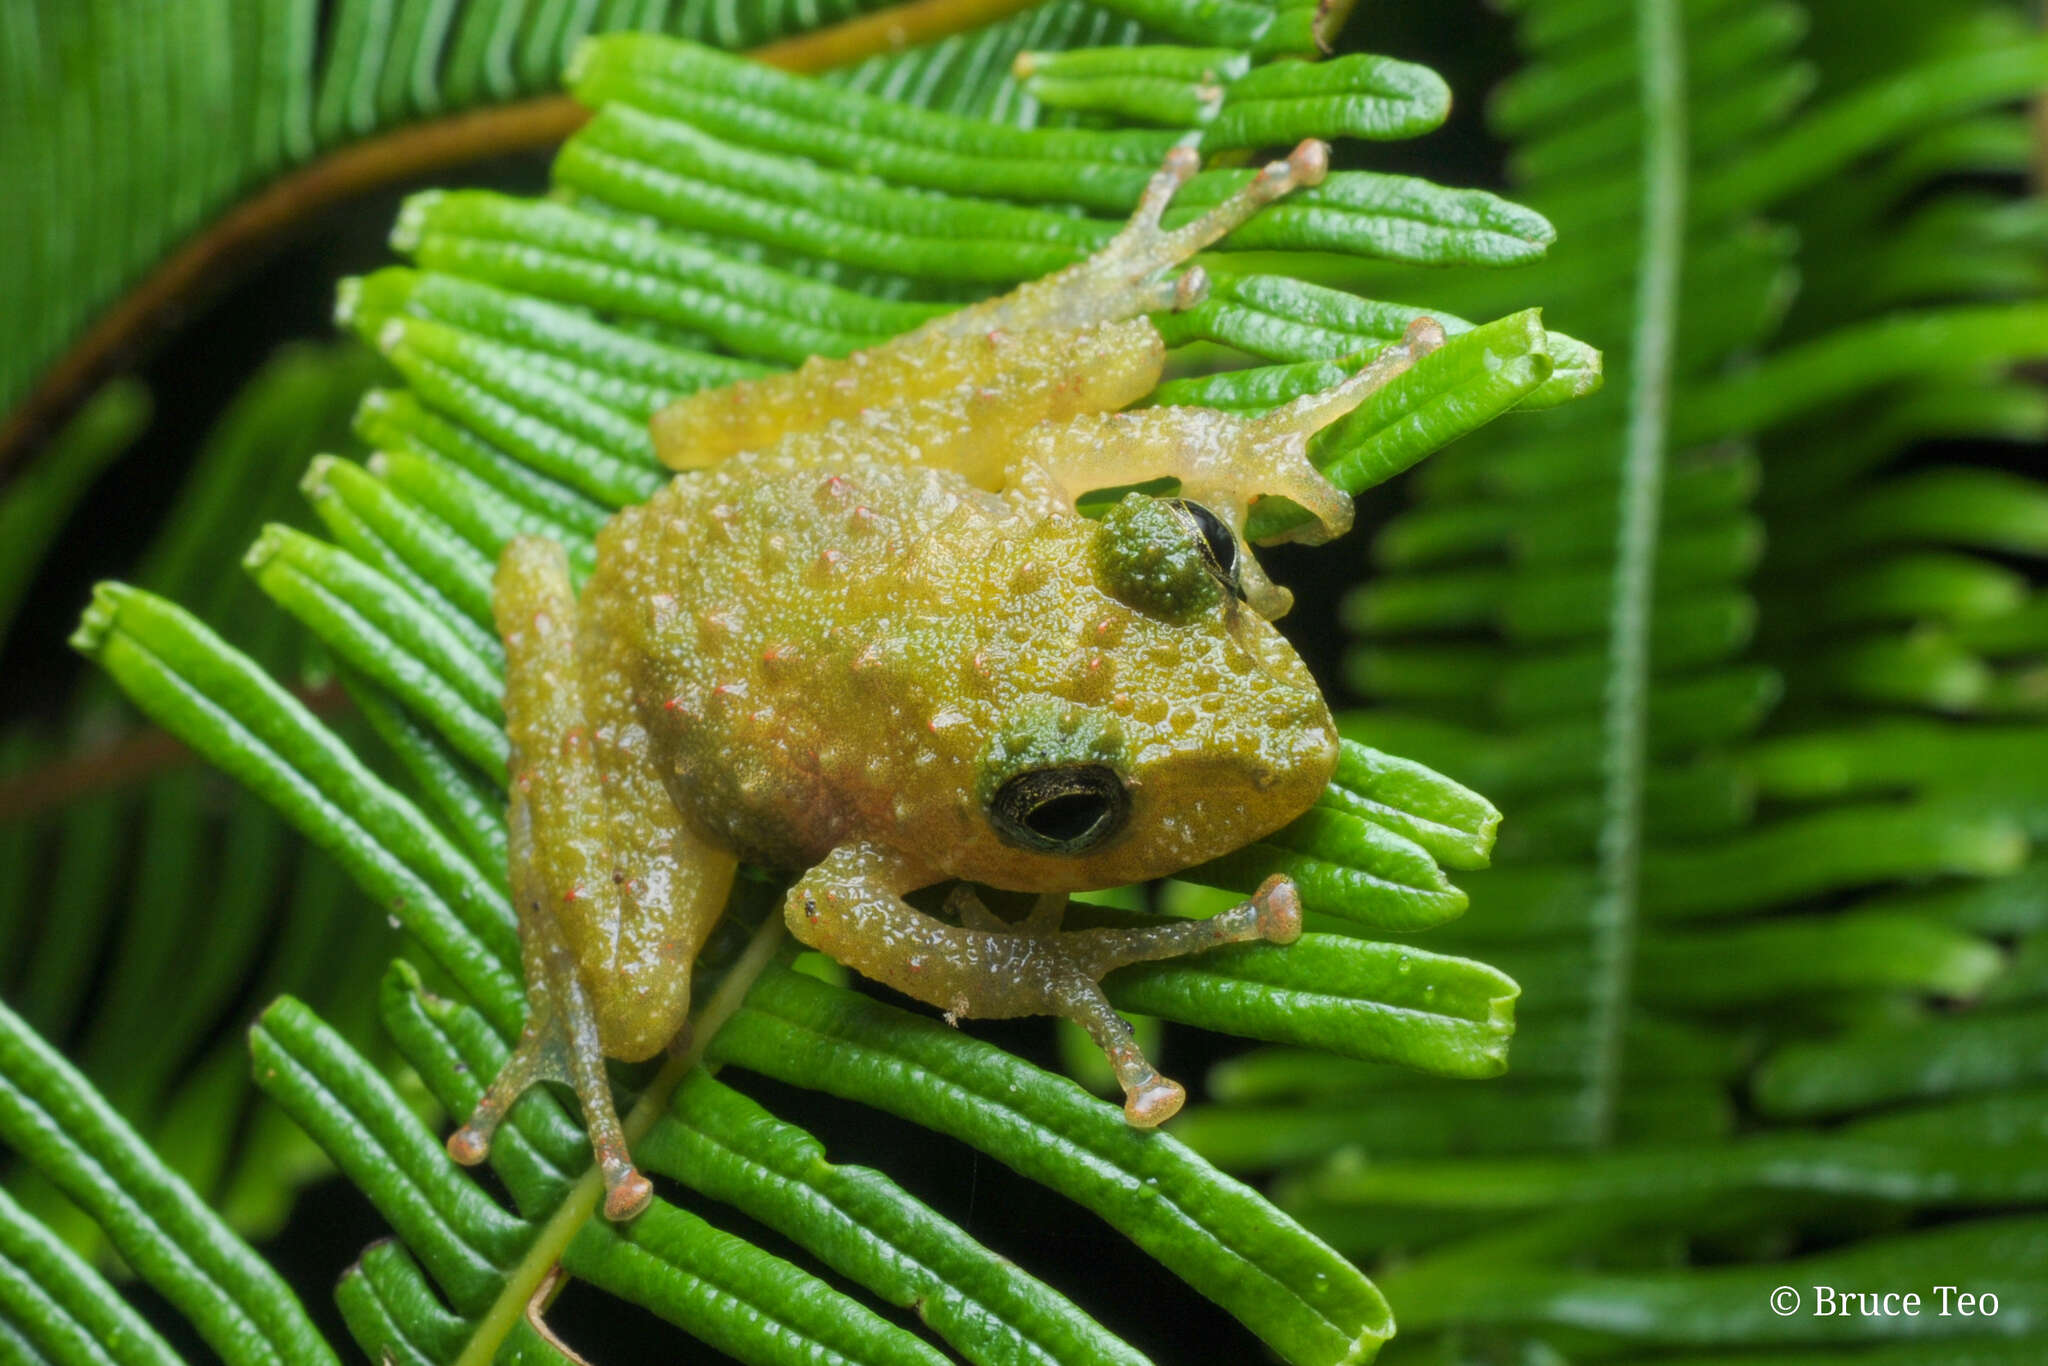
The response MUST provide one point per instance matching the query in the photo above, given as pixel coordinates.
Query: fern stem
(1660, 39)
(126, 760)
(580, 1205)
(438, 145)
(238, 236)
(885, 30)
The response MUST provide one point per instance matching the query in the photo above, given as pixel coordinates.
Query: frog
(865, 636)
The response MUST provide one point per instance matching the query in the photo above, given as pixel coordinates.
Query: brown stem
(2038, 113)
(417, 150)
(140, 754)
(1331, 16)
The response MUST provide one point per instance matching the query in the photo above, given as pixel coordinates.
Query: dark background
(195, 366)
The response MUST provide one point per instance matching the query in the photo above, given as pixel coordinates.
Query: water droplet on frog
(1403, 966)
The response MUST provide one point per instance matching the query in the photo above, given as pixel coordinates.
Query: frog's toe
(1153, 1101)
(469, 1145)
(1276, 910)
(628, 1196)
(1147, 247)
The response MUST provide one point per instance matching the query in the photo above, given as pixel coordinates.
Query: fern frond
(52, 1116)
(534, 339)
(1806, 898)
(164, 885)
(166, 140)
(37, 505)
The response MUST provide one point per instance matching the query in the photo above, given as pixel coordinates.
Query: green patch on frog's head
(1166, 557)
(1051, 778)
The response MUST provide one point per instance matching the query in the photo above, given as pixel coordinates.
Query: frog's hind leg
(614, 894)
(850, 906)
(1121, 279)
(559, 1043)
(1072, 342)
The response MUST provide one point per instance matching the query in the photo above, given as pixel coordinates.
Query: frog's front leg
(851, 907)
(614, 892)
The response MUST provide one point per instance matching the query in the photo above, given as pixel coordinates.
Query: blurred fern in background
(1781, 1020)
(1750, 659)
(713, 219)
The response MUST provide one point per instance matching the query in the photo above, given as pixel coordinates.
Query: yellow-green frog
(866, 638)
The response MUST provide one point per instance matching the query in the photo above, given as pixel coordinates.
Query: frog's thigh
(851, 907)
(670, 883)
(1111, 288)
(979, 430)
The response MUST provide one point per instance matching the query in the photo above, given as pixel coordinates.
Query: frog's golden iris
(865, 637)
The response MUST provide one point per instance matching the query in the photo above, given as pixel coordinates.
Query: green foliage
(37, 506)
(1732, 671)
(1752, 665)
(707, 224)
(167, 887)
(52, 1116)
(125, 133)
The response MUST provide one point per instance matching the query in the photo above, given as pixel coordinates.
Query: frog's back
(726, 600)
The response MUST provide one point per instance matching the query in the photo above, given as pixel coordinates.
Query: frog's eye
(1219, 547)
(1167, 557)
(1065, 810)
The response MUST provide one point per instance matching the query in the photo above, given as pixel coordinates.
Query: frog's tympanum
(865, 637)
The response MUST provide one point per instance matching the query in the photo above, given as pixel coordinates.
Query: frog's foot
(1267, 457)
(1118, 281)
(1144, 248)
(1271, 456)
(1294, 423)
(554, 1048)
(850, 907)
(1272, 914)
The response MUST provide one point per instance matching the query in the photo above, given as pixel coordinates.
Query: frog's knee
(527, 559)
(530, 594)
(801, 913)
(634, 1029)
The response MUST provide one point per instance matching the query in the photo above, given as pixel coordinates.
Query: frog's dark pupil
(1066, 810)
(1068, 817)
(1219, 547)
